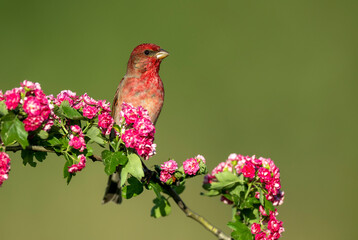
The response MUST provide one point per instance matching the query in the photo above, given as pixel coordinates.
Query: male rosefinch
(140, 86)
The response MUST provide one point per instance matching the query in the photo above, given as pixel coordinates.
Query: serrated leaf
(28, 157)
(226, 180)
(13, 130)
(40, 156)
(133, 189)
(240, 231)
(161, 207)
(3, 109)
(94, 134)
(134, 166)
(112, 159)
(69, 111)
(238, 190)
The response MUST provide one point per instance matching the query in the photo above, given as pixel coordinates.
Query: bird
(140, 86)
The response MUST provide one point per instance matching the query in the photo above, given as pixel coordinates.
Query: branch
(189, 213)
(16, 148)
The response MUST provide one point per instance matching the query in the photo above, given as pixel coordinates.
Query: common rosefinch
(140, 86)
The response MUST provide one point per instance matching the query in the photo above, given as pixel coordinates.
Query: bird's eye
(146, 52)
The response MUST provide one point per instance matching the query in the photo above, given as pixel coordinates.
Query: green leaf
(268, 206)
(179, 189)
(43, 134)
(238, 191)
(226, 180)
(40, 156)
(13, 130)
(67, 174)
(249, 203)
(94, 134)
(241, 231)
(112, 159)
(262, 197)
(70, 112)
(28, 157)
(54, 141)
(133, 189)
(3, 109)
(156, 188)
(134, 166)
(211, 193)
(161, 207)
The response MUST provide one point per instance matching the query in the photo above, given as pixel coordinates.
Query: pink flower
(12, 98)
(200, 158)
(145, 146)
(273, 224)
(169, 166)
(79, 166)
(130, 138)
(255, 228)
(32, 106)
(165, 176)
(48, 125)
(66, 95)
(76, 129)
(89, 112)
(2, 97)
(105, 122)
(248, 170)
(30, 85)
(264, 175)
(77, 143)
(144, 126)
(191, 166)
(104, 105)
(261, 236)
(4, 167)
(129, 113)
(33, 122)
(88, 100)
(262, 211)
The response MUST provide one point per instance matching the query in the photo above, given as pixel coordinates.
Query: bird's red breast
(142, 86)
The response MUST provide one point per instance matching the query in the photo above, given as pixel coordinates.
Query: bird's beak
(161, 54)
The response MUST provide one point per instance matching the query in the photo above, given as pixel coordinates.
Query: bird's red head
(145, 57)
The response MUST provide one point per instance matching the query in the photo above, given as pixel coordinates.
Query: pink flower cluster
(4, 167)
(138, 130)
(89, 107)
(77, 139)
(262, 169)
(167, 169)
(34, 102)
(78, 166)
(270, 229)
(190, 167)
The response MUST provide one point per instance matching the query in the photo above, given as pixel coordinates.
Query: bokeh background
(274, 78)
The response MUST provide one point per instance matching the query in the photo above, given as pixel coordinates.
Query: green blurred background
(273, 78)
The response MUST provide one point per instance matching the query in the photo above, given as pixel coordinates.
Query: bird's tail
(114, 188)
